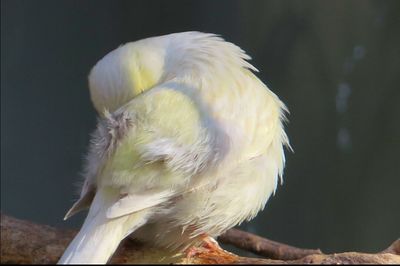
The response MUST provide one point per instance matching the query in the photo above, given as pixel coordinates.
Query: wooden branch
(264, 247)
(24, 242)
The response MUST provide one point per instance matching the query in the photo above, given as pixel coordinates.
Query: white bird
(189, 143)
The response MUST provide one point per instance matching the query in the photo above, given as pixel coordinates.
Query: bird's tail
(100, 236)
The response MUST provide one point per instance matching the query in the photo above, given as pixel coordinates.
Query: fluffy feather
(192, 144)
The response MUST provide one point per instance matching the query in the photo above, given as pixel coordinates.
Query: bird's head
(138, 66)
(124, 73)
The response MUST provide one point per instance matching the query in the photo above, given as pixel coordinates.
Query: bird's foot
(209, 245)
(192, 252)
(210, 252)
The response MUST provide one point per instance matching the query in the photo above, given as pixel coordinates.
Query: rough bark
(23, 242)
(264, 247)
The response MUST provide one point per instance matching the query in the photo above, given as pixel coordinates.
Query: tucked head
(138, 66)
(124, 73)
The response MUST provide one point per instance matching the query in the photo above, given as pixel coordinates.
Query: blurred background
(334, 63)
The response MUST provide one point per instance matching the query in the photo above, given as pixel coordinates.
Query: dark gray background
(334, 63)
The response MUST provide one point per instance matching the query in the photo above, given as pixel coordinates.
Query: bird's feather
(136, 202)
(138, 171)
(81, 204)
(100, 236)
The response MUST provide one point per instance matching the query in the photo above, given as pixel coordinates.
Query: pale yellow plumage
(192, 143)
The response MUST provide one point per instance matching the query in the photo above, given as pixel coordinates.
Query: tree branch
(26, 242)
(264, 247)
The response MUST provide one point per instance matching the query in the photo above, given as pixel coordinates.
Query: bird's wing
(136, 202)
(154, 145)
(145, 154)
(83, 203)
(170, 139)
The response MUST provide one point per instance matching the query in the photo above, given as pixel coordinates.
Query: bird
(189, 143)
